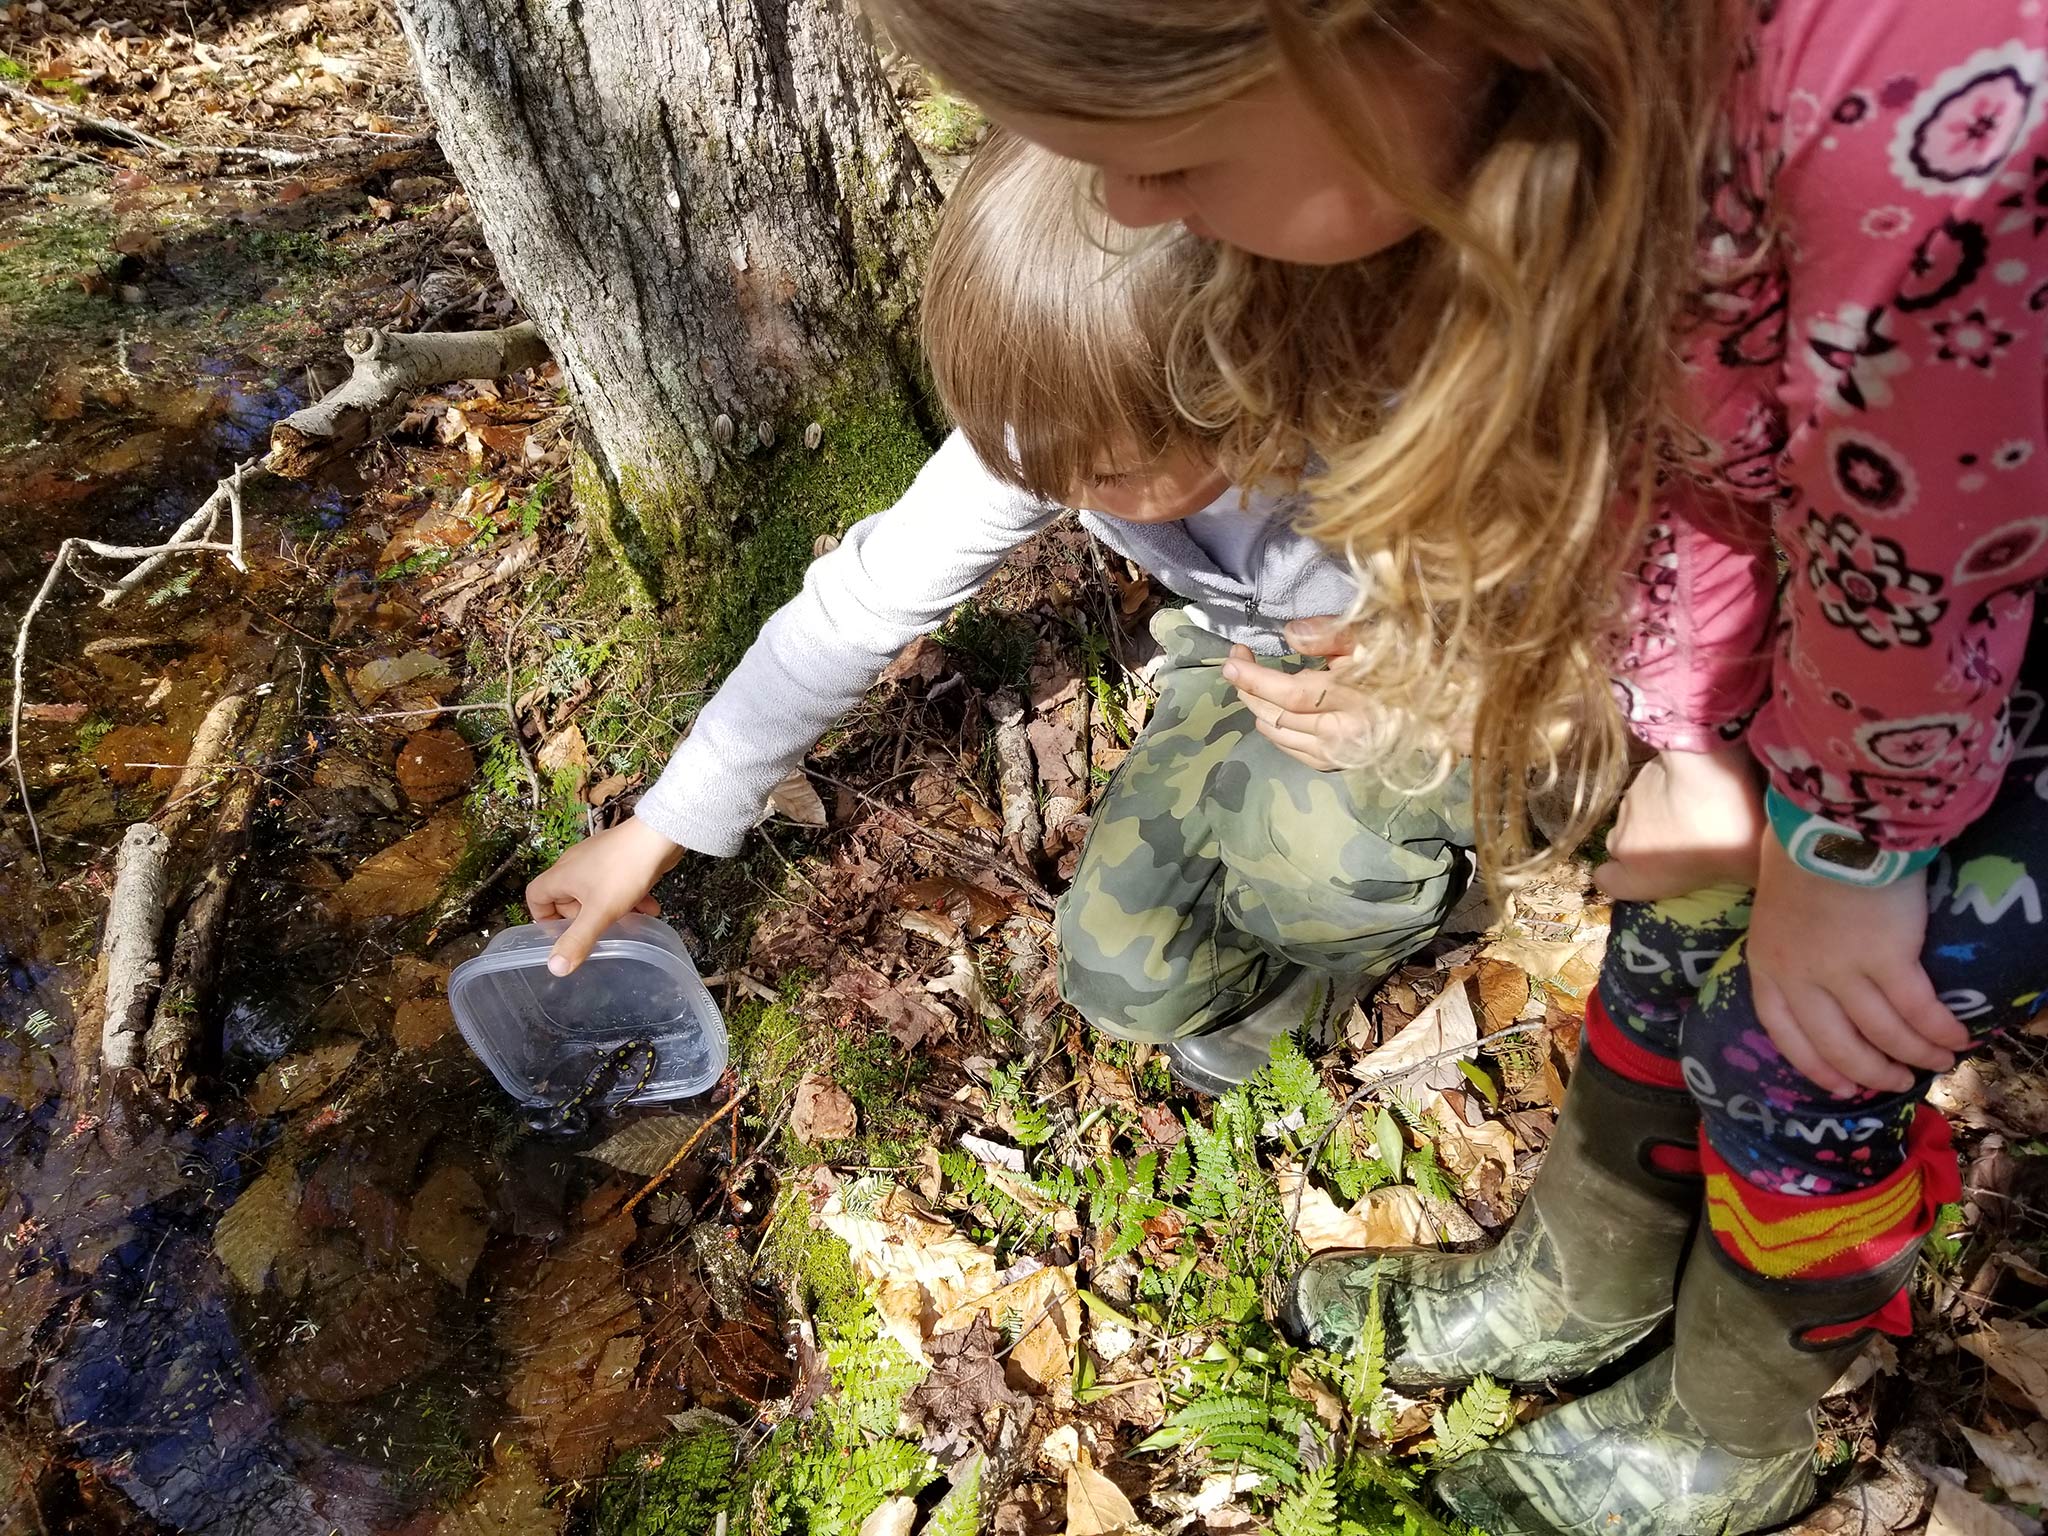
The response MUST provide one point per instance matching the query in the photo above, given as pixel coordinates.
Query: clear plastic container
(541, 1034)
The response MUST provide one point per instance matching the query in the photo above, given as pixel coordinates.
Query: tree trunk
(712, 213)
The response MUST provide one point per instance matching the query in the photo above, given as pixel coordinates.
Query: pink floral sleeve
(1869, 371)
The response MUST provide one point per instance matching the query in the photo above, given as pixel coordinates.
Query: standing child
(1772, 267)
(1226, 893)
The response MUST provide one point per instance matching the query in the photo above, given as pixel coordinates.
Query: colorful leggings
(1676, 989)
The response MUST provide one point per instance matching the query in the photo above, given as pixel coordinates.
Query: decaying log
(135, 919)
(177, 1038)
(1015, 778)
(210, 743)
(390, 368)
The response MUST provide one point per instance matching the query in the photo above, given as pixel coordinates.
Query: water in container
(543, 1036)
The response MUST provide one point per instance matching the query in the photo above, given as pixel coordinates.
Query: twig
(1380, 1080)
(114, 130)
(192, 537)
(686, 1149)
(958, 847)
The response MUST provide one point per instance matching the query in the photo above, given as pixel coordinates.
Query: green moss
(43, 259)
(944, 124)
(12, 70)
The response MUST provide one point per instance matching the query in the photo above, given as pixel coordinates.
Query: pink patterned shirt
(1867, 366)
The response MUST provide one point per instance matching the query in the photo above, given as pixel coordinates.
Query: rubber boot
(1585, 1272)
(1311, 1006)
(1714, 1434)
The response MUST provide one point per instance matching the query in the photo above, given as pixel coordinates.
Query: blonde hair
(1047, 342)
(1479, 394)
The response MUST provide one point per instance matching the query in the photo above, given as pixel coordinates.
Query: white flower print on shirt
(1855, 356)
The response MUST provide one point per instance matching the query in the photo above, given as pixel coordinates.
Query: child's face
(1177, 484)
(1266, 173)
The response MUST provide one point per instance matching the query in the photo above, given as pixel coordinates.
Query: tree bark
(712, 214)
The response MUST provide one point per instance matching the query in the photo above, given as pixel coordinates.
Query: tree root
(391, 367)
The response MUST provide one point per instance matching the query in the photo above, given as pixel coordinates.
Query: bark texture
(712, 214)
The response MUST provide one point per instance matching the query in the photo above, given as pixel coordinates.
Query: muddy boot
(1714, 1434)
(1311, 1007)
(1586, 1270)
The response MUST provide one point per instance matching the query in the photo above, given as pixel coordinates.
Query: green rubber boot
(1585, 1271)
(1713, 1435)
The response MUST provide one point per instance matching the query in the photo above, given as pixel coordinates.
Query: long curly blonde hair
(1487, 399)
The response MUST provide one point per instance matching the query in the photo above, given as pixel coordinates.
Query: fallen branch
(195, 536)
(390, 368)
(210, 743)
(108, 128)
(177, 1032)
(135, 919)
(1015, 779)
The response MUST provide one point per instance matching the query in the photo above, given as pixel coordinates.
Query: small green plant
(1478, 1415)
(92, 733)
(997, 647)
(678, 1490)
(173, 589)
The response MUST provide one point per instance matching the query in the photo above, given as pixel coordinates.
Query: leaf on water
(406, 877)
(435, 765)
(378, 677)
(795, 798)
(510, 1501)
(298, 1080)
(446, 1226)
(824, 1111)
(1095, 1505)
(2019, 1466)
(258, 1226)
(420, 1022)
(383, 1332)
(645, 1146)
(1442, 1032)
(2019, 1354)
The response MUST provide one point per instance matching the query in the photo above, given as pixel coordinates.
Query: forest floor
(953, 1262)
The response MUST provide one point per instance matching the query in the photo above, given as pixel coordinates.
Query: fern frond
(1311, 1510)
(1369, 1359)
(1481, 1413)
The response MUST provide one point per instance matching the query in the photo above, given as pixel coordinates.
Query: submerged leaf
(258, 1226)
(645, 1146)
(406, 877)
(298, 1080)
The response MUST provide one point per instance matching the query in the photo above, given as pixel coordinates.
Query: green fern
(679, 1492)
(959, 1512)
(1311, 1510)
(1427, 1174)
(1369, 1363)
(1481, 1412)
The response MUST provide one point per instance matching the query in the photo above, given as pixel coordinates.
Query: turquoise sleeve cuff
(1826, 848)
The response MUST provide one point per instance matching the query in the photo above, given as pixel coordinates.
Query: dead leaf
(406, 877)
(435, 765)
(447, 1226)
(966, 1380)
(1503, 994)
(298, 1080)
(2019, 1466)
(381, 676)
(566, 754)
(645, 1146)
(924, 660)
(1426, 1052)
(257, 1227)
(1958, 1512)
(1095, 1505)
(824, 1111)
(891, 1517)
(1467, 1149)
(2019, 1354)
(908, 1016)
(129, 754)
(1889, 1499)
(1392, 1216)
(795, 798)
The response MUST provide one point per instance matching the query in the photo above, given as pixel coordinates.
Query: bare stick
(390, 368)
(686, 1149)
(209, 744)
(135, 918)
(114, 130)
(198, 526)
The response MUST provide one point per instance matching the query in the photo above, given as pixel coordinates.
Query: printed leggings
(1676, 988)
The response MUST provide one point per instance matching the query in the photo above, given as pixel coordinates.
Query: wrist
(664, 852)
(1818, 846)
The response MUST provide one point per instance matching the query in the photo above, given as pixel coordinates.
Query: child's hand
(1307, 715)
(1835, 973)
(1690, 820)
(596, 883)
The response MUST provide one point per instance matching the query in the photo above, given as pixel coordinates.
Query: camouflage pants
(1218, 866)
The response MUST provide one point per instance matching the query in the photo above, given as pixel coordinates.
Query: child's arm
(897, 575)
(1910, 486)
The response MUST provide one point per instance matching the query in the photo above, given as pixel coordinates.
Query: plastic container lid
(541, 1034)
